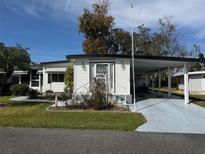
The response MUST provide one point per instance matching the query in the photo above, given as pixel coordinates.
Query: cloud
(186, 13)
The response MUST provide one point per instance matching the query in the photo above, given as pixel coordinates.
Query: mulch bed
(67, 109)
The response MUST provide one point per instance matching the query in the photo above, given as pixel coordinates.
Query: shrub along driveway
(34, 114)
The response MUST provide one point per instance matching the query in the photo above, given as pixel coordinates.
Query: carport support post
(159, 78)
(186, 85)
(152, 82)
(19, 79)
(169, 82)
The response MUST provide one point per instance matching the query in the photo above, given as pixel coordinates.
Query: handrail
(83, 86)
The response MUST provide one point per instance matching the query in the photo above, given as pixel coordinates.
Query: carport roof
(143, 64)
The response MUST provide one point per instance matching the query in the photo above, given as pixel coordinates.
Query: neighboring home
(53, 75)
(196, 81)
(44, 76)
(116, 72)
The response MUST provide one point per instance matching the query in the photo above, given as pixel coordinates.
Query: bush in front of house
(96, 99)
(33, 93)
(63, 97)
(69, 81)
(49, 94)
(19, 89)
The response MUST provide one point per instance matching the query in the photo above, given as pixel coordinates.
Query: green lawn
(24, 114)
(181, 93)
(200, 103)
(197, 99)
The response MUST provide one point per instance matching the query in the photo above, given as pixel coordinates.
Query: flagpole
(133, 59)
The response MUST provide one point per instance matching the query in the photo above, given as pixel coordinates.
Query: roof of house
(190, 73)
(129, 56)
(54, 62)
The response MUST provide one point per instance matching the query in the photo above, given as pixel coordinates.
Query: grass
(200, 103)
(35, 115)
(181, 93)
(197, 99)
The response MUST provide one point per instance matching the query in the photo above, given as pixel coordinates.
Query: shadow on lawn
(17, 104)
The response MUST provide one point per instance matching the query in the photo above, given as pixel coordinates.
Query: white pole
(159, 78)
(169, 82)
(133, 58)
(186, 85)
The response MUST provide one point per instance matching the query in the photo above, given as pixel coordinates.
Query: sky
(49, 28)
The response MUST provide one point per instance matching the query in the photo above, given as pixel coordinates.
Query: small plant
(19, 89)
(63, 97)
(96, 99)
(50, 94)
(33, 93)
(69, 81)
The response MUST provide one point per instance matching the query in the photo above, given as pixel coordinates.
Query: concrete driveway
(171, 115)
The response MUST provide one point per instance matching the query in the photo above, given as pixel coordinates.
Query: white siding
(53, 68)
(196, 83)
(122, 76)
(82, 75)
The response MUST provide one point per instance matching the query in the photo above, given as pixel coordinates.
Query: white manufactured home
(115, 71)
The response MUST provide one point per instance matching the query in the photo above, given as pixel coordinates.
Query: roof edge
(129, 56)
(54, 62)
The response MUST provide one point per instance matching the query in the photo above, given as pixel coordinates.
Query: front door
(103, 72)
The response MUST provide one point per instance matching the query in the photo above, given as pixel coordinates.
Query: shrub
(96, 99)
(33, 93)
(50, 94)
(69, 80)
(63, 97)
(19, 89)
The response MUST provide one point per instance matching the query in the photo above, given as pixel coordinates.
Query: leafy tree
(200, 65)
(12, 58)
(97, 28)
(142, 40)
(69, 80)
(121, 41)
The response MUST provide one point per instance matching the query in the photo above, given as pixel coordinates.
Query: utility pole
(133, 59)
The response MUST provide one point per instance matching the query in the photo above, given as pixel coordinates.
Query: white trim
(159, 78)
(169, 82)
(197, 72)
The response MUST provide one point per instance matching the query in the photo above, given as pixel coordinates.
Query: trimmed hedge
(19, 89)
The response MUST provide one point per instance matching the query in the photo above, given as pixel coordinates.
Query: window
(49, 78)
(34, 83)
(61, 78)
(55, 78)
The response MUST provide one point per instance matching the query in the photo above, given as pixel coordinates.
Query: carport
(150, 66)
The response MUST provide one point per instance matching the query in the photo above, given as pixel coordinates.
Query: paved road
(60, 141)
